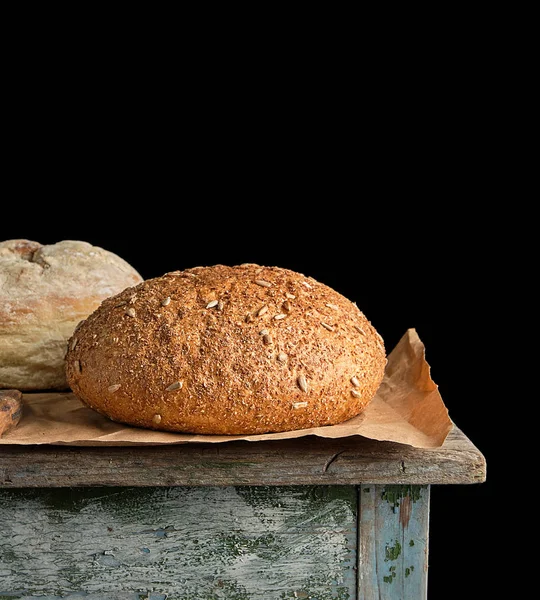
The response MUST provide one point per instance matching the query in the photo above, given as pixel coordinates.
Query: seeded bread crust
(44, 292)
(227, 350)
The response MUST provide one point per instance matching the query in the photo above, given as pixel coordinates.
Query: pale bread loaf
(45, 291)
(227, 350)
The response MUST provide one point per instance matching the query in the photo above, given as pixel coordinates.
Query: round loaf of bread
(45, 291)
(227, 350)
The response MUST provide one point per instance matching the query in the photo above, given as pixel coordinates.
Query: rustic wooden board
(393, 542)
(97, 596)
(304, 461)
(188, 543)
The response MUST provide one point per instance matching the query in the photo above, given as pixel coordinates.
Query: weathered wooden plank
(393, 533)
(98, 596)
(190, 543)
(304, 461)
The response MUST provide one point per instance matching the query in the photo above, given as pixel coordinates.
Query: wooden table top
(304, 461)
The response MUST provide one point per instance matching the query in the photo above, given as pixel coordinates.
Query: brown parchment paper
(407, 409)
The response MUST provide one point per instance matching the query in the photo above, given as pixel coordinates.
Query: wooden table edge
(303, 461)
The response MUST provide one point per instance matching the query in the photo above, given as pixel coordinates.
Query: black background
(408, 258)
(382, 179)
(384, 160)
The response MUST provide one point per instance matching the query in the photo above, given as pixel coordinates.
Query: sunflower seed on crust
(166, 301)
(302, 383)
(156, 419)
(77, 365)
(326, 326)
(267, 339)
(262, 310)
(114, 388)
(280, 316)
(282, 357)
(299, 405)
(354, 381)
(74, 343)
(356, 394)
(290, 296)
(212, 304)
(177, 385)
(130, 312)
(263, 283)
(332, 306)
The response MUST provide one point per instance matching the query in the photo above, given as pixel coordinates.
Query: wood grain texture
(188, 543)
(84, 596)
(304, 461)
(393, 526)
